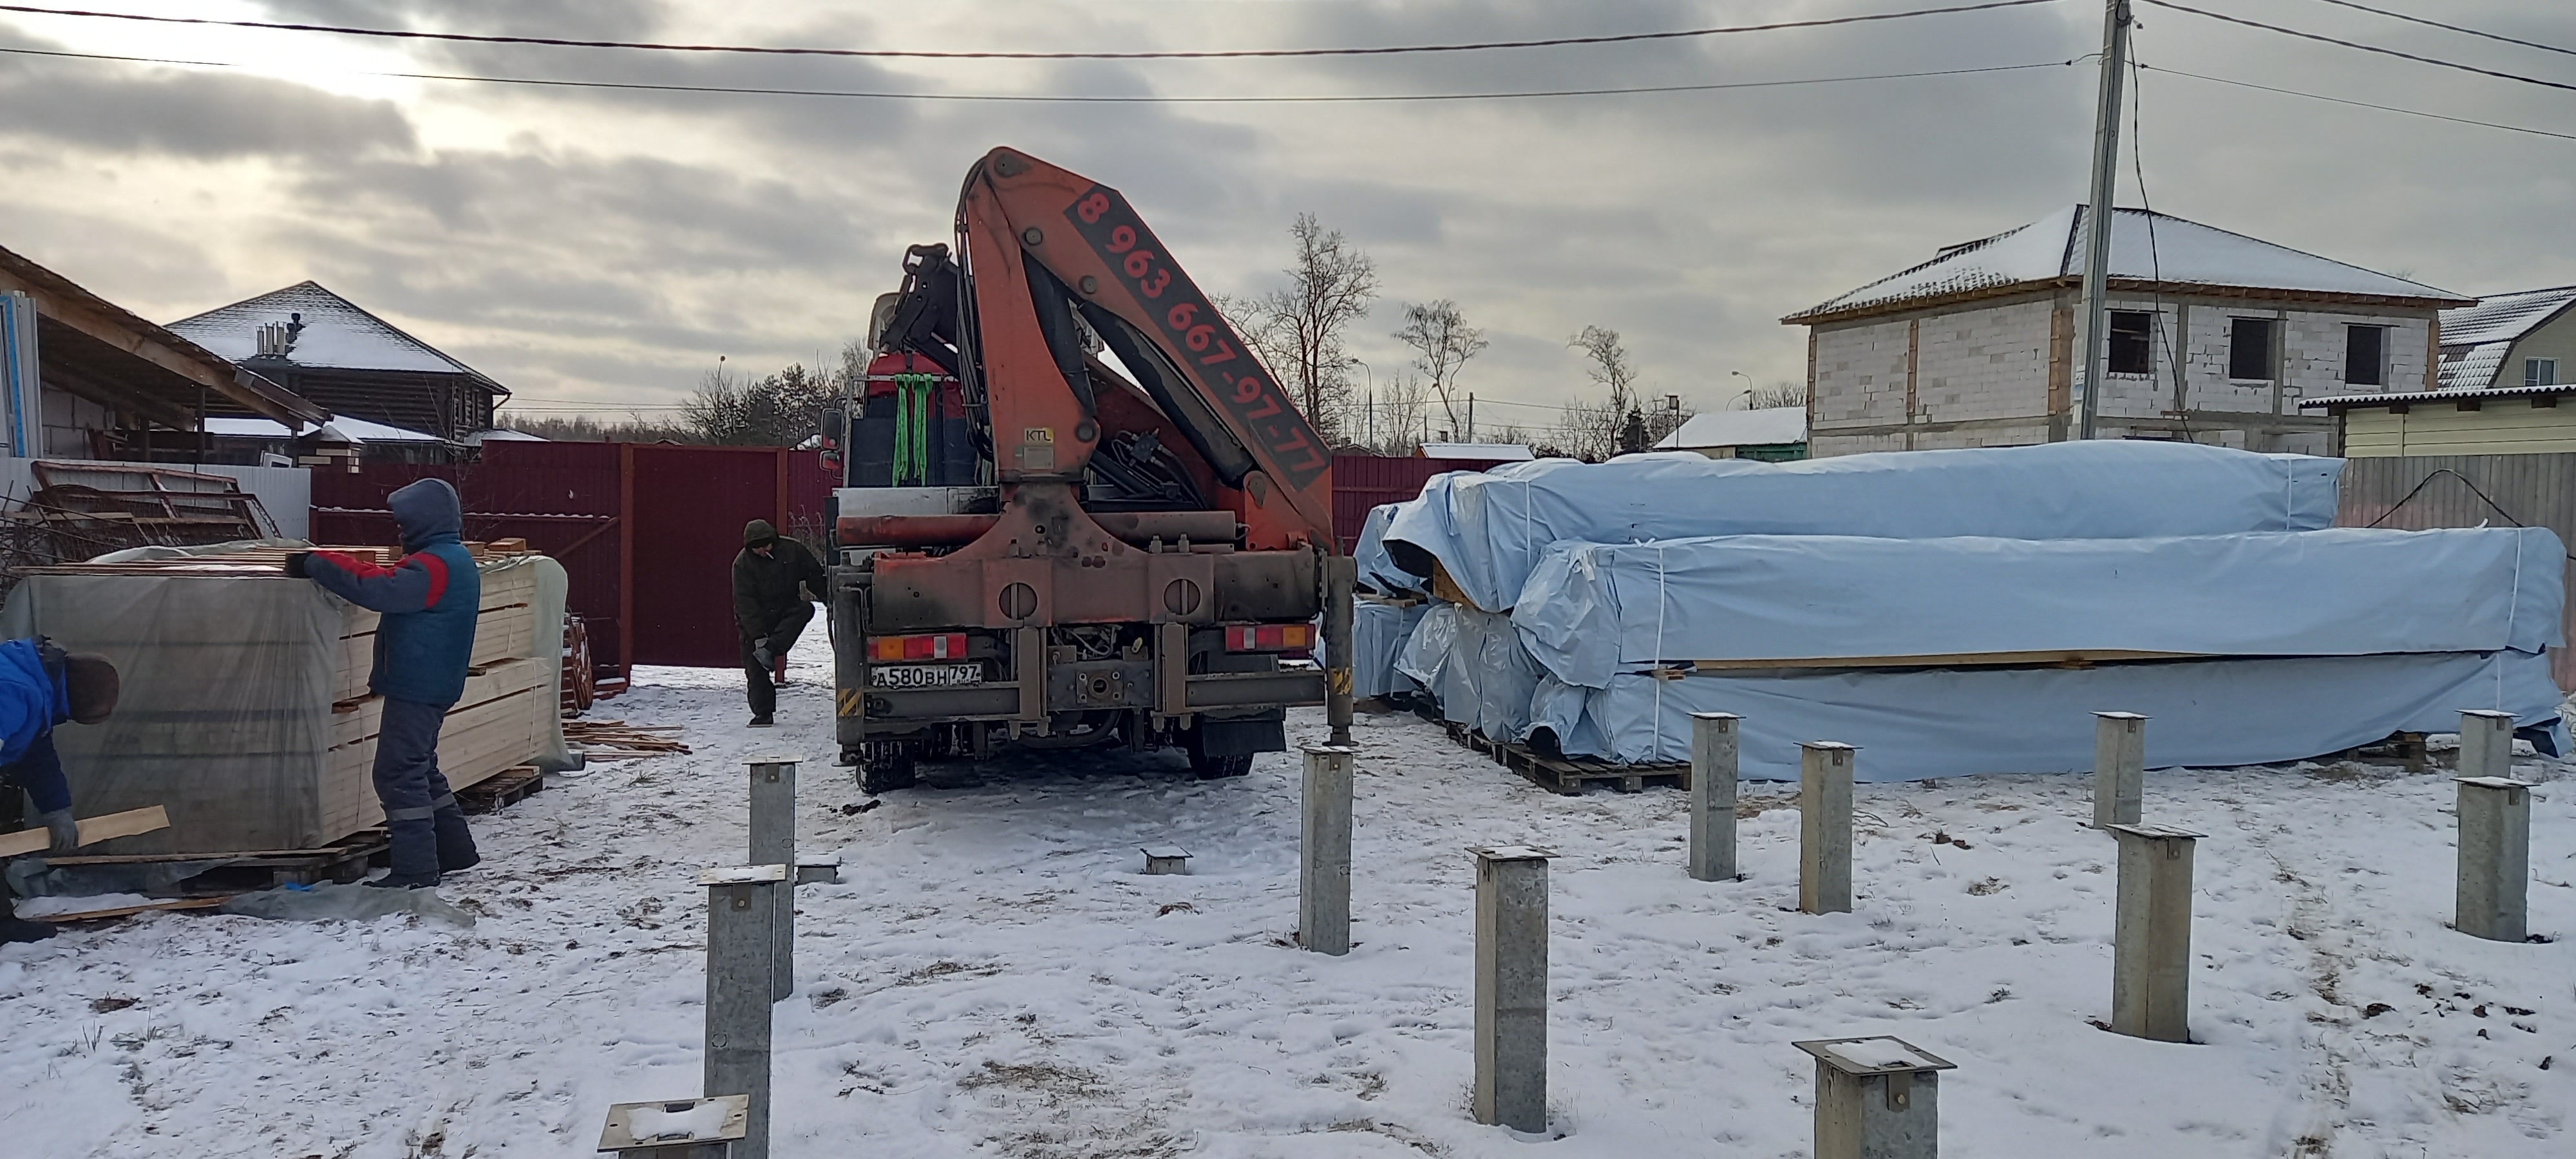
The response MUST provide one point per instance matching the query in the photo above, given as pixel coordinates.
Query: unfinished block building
(2214, 338)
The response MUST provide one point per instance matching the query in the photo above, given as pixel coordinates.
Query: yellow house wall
(2509, 426)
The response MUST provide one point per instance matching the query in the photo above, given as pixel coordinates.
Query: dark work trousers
(426, 824)
(782, 637)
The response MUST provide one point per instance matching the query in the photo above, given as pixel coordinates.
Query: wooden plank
(2077, 658)
(93, 830)
(128, 910)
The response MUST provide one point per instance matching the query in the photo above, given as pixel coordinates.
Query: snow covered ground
(997, 977)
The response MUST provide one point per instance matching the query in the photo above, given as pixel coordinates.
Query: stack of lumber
(612, 740)
(234, 780)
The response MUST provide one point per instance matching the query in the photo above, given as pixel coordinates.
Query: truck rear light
(1269, 637)
(934, 646)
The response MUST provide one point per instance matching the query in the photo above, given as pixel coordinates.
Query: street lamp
(1748, 387)
(1354, 360)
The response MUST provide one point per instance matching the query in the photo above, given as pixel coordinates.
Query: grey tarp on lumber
(1488, 529)
(1378, 631)
(1932, 722)
(1591, 611)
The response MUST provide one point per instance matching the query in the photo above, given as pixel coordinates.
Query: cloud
(607, 244)
(111, 108)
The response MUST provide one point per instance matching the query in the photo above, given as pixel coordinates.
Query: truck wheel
(889, 767)
(1218, 768)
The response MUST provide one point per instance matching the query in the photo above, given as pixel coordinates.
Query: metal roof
(2348, 401)
(169, 351)
(337, 334)
(2475, 339)
(2146, 249)
(1768, 426)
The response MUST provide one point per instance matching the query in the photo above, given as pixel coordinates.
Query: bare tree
(1442, 342)
(1591, 430)
(1777, 394)
(1298, 328)
(1396, 427)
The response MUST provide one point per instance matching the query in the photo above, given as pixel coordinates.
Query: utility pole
(2097, 215)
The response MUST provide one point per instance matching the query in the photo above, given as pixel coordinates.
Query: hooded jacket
(429, 600)
(765, 591)
(33, 700)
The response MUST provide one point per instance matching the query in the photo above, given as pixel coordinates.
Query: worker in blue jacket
(429, 601)
(42, 686)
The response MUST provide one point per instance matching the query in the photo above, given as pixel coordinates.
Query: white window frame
(2540, 372)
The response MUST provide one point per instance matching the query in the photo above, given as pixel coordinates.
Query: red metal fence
(1361, 482)
(646, 532)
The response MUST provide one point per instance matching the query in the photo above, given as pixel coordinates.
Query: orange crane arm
(1040, 244)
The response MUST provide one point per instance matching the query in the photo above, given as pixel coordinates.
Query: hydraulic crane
(1146, 549)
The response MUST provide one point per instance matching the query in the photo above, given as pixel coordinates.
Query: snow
(1497, 452)
(337, 333)
(2144, 246)
(1880, 1054)
(40, 908)
(701, 1121)
(994, 978)
(341, 428)
(1768, 426)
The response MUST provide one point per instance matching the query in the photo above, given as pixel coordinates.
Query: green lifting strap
(912, 428)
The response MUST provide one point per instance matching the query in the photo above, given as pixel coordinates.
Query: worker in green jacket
(775, 582)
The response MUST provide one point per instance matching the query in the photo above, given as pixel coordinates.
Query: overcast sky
(588, 247)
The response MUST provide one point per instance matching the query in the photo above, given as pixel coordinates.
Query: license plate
(925, 675)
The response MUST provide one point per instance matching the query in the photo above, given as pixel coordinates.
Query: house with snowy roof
(2517, 339)
(2215, 337)
(326, 348)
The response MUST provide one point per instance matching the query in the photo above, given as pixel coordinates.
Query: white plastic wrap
(1488, 529)
(1590, 611)
(1912, 723)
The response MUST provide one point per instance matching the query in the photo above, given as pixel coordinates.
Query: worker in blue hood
(429, 601)
(42, 686)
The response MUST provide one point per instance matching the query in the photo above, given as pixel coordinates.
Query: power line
(637, 86)
(2363, 104)
(2168, 4)
(2449, 27)
(656, 46)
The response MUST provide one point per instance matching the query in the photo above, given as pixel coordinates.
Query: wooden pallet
(1569, 776)
(508, 788)
(345, 860)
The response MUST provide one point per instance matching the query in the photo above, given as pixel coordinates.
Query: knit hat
(90, 682)
(758, 532)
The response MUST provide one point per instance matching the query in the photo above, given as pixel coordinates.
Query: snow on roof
(1739, 428)
(501, 435)
(336, 334)
(2177, 251)
(1504, 452)
(2475, 339)
(341, 428)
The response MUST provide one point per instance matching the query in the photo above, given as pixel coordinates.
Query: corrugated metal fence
(2466, 491)
(646, 533)
(1361, 482)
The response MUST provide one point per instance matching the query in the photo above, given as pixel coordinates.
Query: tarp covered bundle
(1375, 569)
(1378, 629)
(1489, 530)
(1937, 722)
(1965, 611)
(1590, 611)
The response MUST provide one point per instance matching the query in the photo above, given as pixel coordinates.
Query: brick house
(2215, 337)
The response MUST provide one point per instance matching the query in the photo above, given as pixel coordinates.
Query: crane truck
(1101, 521)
